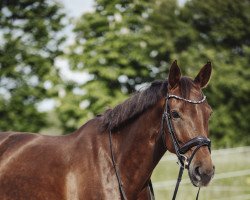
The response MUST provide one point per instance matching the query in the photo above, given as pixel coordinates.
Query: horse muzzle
(201, 176)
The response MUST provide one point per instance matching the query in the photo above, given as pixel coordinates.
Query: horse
(113, 155)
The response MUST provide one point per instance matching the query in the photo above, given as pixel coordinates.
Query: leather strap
(197, 141)
(178, 182)
(116, 169)
(152, 194)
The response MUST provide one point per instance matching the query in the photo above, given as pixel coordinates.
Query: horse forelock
(186, 85)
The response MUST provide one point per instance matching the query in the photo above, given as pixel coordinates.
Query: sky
(77, 7)
(74, 8)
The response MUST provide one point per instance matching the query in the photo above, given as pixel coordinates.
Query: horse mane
(140, 102)
(186, 85)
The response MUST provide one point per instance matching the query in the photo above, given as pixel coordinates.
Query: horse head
(187, 113)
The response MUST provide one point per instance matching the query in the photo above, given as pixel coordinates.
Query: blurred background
(62, 62)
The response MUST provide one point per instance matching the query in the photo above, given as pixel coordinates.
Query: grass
(231, 181)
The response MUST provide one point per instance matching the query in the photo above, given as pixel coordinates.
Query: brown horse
(80, 166)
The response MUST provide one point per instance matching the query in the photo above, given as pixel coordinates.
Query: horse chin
(196, 180)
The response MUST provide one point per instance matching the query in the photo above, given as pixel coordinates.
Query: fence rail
(166, 184)
(231, 180)
(218, 152)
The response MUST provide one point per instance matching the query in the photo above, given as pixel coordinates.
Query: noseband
(180, 151)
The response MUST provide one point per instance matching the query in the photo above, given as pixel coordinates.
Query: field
(231, 180)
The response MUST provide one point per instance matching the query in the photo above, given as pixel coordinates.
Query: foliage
(221, 35)
(118, 46)
(29, 44)
(123, 44)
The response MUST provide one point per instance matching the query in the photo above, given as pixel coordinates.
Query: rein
(183, 161)
(115, 168)
(123, 194)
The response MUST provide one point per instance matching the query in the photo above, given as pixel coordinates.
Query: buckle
(182, 161)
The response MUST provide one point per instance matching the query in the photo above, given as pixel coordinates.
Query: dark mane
(140, 102)
(134, 106)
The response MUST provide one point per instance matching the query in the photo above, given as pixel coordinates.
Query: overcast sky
(74, 8)
(77, 7)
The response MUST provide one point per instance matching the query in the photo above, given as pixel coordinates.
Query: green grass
(231, 181)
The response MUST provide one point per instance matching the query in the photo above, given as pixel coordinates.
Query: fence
(231, 180)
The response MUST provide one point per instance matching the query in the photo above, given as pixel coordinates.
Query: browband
(187, 100)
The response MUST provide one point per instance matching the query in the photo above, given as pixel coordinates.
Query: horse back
(31, 165)
(12, 140)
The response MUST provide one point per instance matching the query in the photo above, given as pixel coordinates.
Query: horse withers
(113, 155)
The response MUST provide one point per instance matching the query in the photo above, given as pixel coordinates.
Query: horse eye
(175, 114)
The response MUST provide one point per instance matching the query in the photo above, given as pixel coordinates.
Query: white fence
(231, 180)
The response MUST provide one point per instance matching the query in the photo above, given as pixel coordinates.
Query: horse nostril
(203, 175)
(197, 171)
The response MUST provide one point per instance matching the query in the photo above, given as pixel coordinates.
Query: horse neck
(139, 148)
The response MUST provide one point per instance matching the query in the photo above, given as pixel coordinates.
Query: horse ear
(174, 75)
(204, 75)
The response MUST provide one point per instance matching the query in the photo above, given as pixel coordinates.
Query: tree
(119, 46)
(222, 36)
(30, 41)
(123, 44)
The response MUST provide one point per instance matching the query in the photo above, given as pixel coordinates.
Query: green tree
(120, 46)
(29, 43)
(221, 34)
(123, 44)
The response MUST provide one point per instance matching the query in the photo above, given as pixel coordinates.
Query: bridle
(180, 151)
